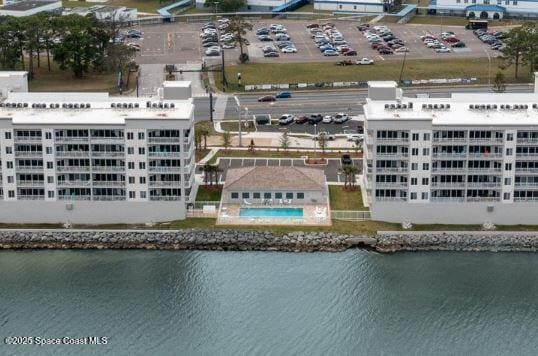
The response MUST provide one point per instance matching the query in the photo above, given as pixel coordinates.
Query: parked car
(210, 52)
(282, 37)
(289, 50)
(266, 98)
(355, 137)
(364, 61)
(286, 119)
(327, 136)
(350, 53)
(452, 39)
(271, 54)
(312, 25)
(228, 45)
(442, 50)
(401, 49)
(301, 119)
(385, 51)
(330, 52)
(345, 62)
(346, 160)
(327, 119)
(283, 94)
(210, 44)
(265, 38)
(340, 118)
(315, 118)
(458, 45)
(134, 46)
(363, 27)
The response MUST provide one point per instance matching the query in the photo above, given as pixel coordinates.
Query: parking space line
(242, 162)
(279, 162)
(229, 163)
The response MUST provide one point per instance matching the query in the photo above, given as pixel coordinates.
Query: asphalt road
(323, 102)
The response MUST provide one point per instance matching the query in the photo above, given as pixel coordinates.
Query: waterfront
(263, 303)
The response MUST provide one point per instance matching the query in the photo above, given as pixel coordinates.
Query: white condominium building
(91, 158)
(471, 158)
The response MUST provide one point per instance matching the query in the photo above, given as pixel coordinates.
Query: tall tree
(11, 46)
(499, 83)
(285, 141)
(204, 133)
(226, 140)
(239, 27)
(225, 5)
(322, 143)
(520, 47)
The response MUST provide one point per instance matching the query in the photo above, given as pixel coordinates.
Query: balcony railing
(532, 141)
(447, 199)
(165, 140)
(164, 183)
(526, 170)
(74, 183)
(109, 183)
(165, 198)
(72, 153)
(449, 170)
(450, 140)
(485, 140)
(448, 185)
(29, 168)
(392, 155)
(530, 185)
(27, 183)
(74, 197)
(72, 139)
(482, 199)
(108, 168)
(30, 197)
(392, 169)
(73, 168)
(108, 154)
(398, 185)
(164, 154)
(108, 139)
(484, 170)
(392, 140)
(527, 155)
(165, 169)
(450, 155)
(485, 155)
(109, 197)
(526, 199)
(28, 153)
(35, 139)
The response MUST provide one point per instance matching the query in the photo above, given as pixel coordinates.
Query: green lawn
(438, 20)
(342, 199)
(234, 126)
(208, 193)
(150, 6)
(273, 154)
(313, 72)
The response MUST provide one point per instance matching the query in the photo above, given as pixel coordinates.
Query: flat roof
(177, 84)
(382, 84)
(459, 113)
(9, 73)
(27, 5)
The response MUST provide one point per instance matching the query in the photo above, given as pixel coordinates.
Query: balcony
(390, 199)
(109, 183)
(482, 199)
(450, 140)
(526, 200)
(527, 141)
(165, 169)
(491, 140)
(164, 183)
(526, 185)
(447, 199)
(73, 168)
(108, 197)
(165, 198)
(480, 155)
(108, 168)
(74, 197)
(176, 140)
(30, 183)
(529, 156)
(74, 183)
(30, 197)
(484, 170)
(29, 168)
(108, 139)
(29, 154)
(72, 153)
(447, 170)
(391, 140)
(391, 169)
(526, 170)
(72, 139)
(455, 155)
(164, 154)
(484, 184)
(108, 154)
(400, 155)
(448, 185)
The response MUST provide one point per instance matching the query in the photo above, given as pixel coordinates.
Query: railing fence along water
(351, 215)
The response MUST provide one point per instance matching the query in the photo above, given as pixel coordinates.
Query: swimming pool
(271, 213)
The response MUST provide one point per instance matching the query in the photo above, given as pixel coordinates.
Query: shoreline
(240, 240)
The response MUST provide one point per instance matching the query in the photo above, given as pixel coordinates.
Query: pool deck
(229, 215)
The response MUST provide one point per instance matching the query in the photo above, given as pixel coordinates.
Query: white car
(402, 49)
(340, 118)
(355, 137)
(442, 50)
(364, 61)
(228, 45)
(327, 119)
(289, 50)
(286, 119)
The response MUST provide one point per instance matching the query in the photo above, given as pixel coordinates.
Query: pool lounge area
(274, 196)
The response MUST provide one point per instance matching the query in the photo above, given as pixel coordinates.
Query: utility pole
(239, 120)
(403, 64)
(224, 82)
(211, 106)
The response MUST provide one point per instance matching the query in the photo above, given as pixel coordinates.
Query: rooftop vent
(172, 105)
(148, 104)
(88, 105)
(136, 105)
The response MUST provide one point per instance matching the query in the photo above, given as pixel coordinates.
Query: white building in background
(486, 9)
(91, 158)
(374, 6)
(13, 81)
(468, 159)
(105, 12)
(29, 7)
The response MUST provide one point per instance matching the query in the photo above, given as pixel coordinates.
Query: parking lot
(180, 43)
(350, 126)
(331, 169)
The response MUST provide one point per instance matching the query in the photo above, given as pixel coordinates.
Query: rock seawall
(180, 240)
(457, 241)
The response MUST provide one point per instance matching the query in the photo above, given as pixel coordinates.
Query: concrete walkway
(220, 106)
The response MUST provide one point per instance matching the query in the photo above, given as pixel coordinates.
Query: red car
(350, 53)
(301, 119)
(452, 39)
(267, 98)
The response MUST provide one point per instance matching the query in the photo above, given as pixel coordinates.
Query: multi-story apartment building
(470, 158)
(91, 158)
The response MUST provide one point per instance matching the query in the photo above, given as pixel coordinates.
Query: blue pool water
(271, 212)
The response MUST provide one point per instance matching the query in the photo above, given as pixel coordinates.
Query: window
(142, 180)
(50, 179)
(506, 196)
(235, 195)
(267, 195)
(10, 179)
(130, 165)
(425, 196)
(11, 194)
(8, 135)
(141, 150)
(425, 181)
(289, 195)
(514, 2)
(50, 165)
(415, 137)
(425, 151)
(509, 137)
(142, 165)
(413, 196)
(245, 195)
(414, 181)
(131, 180)
(425, 166)
(508, 167)
(9, 150)
(48, 150)
(458, 1)
(130, 150)
(486, 2)
(140, 135)
(130, 135)
(414, 152)
(132, 194)
(300, 195)
(48, 135)
(507, 181)
(278, 195)
(50, 193)
(509, 151)
(10, 164)
(256, 195)
(355, 7)
(143, 195)
(340, 7)
(414, 166)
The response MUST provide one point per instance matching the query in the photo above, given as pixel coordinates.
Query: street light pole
(239, 120)
(315, 139)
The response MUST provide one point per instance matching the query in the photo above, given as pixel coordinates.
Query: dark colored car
(301, 119)
(265, 38)
(315, 118)
(452, 39)
(363, 27)
(271, 54)
(266, 98)
(283, 94)
(458, 45)
(312, 25)
(385, 51)
(350, 53)
(346, 160)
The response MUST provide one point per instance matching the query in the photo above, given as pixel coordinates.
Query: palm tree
(238, 26)
(226, 140)
(349, 172)
(198, 139)
(204, 133)
(206, 168)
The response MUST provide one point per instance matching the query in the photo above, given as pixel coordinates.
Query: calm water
(271, 212)
(228, 303)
